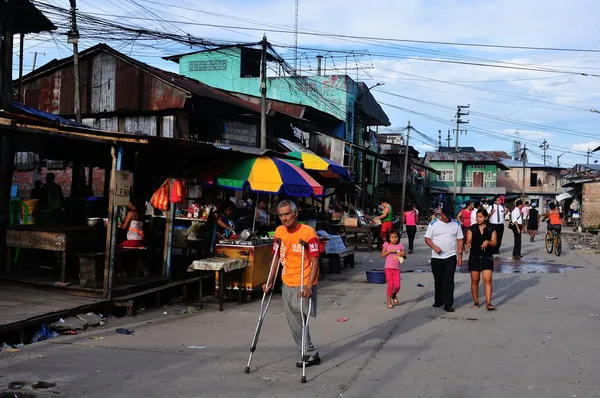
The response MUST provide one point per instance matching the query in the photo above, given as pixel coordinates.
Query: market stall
(259, 175)
(67, 240)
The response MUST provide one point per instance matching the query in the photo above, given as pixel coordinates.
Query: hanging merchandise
(179, 191)
(160, 198)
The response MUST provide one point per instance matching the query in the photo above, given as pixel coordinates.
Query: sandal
(475, 305)
(390, 307)
(490, 307)
(396, 301)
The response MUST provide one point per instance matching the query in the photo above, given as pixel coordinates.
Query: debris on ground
(551, 298)
(44, 334)
(269, 378)
(78, 322)
(420, 285)
(125, 331)
(96, 338)
(341, 320)
(583, 242)
(197, 347)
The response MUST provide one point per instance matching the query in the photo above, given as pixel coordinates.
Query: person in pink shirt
(394, 254)
(410, 219)
(464, 217)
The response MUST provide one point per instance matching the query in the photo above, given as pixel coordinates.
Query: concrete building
(583, 187)
(542, 182)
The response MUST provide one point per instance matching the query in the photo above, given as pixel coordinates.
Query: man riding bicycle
(554, 219)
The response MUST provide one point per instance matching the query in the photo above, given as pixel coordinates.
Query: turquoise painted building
(476, 175)
(237, 70)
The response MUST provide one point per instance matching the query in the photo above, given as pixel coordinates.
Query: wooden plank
(32, 239)
(156, 289)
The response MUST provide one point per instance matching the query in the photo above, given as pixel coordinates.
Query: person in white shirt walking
(516, 222)
(445, 238)
(496, 219)
(476, 207)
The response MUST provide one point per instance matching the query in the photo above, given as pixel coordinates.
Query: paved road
(530, 347)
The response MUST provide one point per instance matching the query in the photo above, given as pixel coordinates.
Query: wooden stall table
(372, 232)
(258, 254)
(221, 265)
(68, 240)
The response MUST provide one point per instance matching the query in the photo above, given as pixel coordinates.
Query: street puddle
(530, 266)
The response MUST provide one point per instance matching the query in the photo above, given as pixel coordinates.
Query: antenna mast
(296, 41)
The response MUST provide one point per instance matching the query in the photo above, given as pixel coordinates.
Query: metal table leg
(200, 290)
(241, 271)
(221, 288)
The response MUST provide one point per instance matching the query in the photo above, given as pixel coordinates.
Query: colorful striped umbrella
(318, 163)
(270, 176)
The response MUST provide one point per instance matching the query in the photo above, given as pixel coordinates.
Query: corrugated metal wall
(108, 84)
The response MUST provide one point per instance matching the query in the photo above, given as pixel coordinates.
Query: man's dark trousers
(499, 228)
(443, 274)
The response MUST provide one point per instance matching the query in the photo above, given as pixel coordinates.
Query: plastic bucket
(375, 276)
(28, 211)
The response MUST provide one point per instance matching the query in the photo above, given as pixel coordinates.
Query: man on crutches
(299, 256)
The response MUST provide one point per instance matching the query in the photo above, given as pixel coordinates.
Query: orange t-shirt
(290, 253)
(554, 217)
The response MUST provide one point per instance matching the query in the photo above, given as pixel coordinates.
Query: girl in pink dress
(394, 254)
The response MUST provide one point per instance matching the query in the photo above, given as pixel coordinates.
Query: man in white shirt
(496, 219)
(476, 207)
(445, 238)
(516, 219)
(486, 206)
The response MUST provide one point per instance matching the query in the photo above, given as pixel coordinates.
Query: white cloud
(528, 134)
(586, 145)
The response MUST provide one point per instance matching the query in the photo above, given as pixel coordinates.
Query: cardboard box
(351, 222)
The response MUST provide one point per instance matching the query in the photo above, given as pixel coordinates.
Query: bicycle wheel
(557, 245)
(549, 242)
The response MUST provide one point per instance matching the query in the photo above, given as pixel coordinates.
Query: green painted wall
(465, 173)
(222, 69)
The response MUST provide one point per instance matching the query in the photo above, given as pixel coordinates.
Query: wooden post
(111, 228)
(168, 237)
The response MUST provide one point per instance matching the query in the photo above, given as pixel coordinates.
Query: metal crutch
(264, 306)
(304, 320)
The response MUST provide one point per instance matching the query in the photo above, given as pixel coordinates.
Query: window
(489, 175)
(488, 184)
(207, 65)
(446, 175)
(533, 180)
(468, 175)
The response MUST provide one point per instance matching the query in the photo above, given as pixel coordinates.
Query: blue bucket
(375, 276)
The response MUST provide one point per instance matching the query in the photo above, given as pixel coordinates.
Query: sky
(532, 96)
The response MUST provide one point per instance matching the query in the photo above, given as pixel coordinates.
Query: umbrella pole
(254, 215)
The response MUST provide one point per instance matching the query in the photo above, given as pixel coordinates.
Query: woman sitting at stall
(133, 226)
(132, 230)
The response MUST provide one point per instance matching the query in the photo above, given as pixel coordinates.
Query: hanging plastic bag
(179, 191)
(160, 198)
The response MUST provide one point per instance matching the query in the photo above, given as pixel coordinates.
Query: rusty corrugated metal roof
(481, 157)
(157, 93)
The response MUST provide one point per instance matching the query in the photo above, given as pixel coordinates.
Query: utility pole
(439, 139)
(263, 94)
(35, 54)
(587, 155)
(448, 139)
(404, 182)
(21, 39)
(524, 159)
(545, 147)
(459, 121)
(73, 38)
(558, 158)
